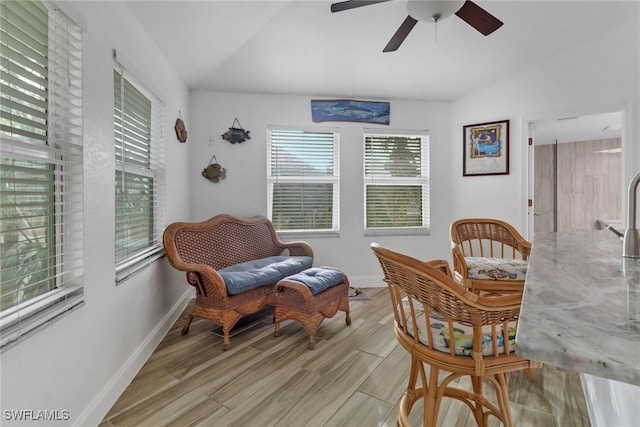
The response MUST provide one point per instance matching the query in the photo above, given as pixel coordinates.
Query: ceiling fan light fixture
(433, 11)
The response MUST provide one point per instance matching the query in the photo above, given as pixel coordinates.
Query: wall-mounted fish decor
(347, 110)
(214, 172)
(236, 134)
(181, 130)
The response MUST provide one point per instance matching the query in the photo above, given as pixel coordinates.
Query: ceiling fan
(434, 11)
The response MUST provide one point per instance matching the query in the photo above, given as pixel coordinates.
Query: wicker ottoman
(309, 297)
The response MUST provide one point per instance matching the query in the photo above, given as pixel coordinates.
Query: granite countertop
(581, 306)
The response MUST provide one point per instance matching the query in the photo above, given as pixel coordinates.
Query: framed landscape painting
(486, 149)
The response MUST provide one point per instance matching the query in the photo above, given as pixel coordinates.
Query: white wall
(573, 82)
(600, 75)
(244, 191)
(82, 362)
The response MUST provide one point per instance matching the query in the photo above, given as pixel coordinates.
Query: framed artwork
(346, 110)
(486, 149)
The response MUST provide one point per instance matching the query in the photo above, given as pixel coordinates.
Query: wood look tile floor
(355, 377)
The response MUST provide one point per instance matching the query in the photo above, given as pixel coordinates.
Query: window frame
(156, 171)
(59, 151)
(333, 179)
(423, 181)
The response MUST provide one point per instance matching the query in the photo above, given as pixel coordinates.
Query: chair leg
(502, 393)
(276, 321)
(276, 332)
(411, 394)
(185, 328)
(226, 345)
(478, 412)
(431, 399)
(343, 305)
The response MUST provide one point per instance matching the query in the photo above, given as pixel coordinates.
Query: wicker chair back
(488, 238)
(449, 328)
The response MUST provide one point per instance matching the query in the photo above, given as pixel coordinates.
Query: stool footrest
(294, 300)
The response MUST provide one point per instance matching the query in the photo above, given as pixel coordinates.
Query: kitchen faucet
(631, 240)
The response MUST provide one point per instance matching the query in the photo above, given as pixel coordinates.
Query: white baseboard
(110, 393)
(367, 281)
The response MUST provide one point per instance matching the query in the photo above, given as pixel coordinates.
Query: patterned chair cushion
(463, 335)
(496, 268)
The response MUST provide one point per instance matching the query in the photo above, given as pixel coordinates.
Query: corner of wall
(100, 406)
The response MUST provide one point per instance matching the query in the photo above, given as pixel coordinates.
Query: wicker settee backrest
(222, 241)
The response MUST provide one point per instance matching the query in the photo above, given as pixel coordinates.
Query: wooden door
(545, 189)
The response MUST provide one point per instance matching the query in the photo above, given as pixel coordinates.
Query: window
(41, 191)
(139, 186)
(303, 180)
(396, 183)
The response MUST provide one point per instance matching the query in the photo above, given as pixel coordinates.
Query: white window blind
(41, 190)
(396, 177)
(303, 180)
(140, 174)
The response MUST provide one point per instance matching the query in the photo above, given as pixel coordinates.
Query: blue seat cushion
(318, 279)
(264, 271)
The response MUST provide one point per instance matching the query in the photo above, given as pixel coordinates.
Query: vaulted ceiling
(300, 47)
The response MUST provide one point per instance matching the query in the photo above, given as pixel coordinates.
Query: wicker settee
(234, 264)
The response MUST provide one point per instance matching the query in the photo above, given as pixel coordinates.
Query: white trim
(367, 281)
(398, 231)
(61, 150)
(396, 132)
(137, 263)
(96, 411)
(147, 253)
(424, 181)
(131, 73)
(313, 129)
(29, 307)
(23, 319)
(297, 234)
(334, 179)
(156, 171)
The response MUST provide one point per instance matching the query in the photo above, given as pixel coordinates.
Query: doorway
(577, 171)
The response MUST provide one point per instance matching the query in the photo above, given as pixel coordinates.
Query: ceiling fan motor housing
(429, 11)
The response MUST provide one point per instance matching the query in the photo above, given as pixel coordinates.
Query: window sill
(409, 231)
(137, 263)
(27, 317)
(307, 234)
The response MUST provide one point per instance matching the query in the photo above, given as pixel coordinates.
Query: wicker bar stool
(489, 255)
(451, 329)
